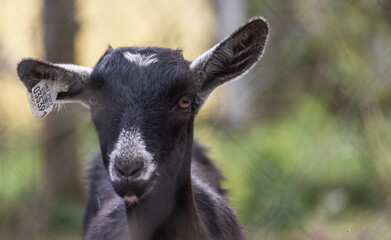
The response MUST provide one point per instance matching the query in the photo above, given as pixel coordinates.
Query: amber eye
(93, 101)
(184, 103)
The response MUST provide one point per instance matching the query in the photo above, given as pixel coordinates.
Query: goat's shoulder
(204, 168)
(214, 210)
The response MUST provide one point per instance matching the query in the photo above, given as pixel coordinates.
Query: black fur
(176, 207)
(105, 207)
(143, 101)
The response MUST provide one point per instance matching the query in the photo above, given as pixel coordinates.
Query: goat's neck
(171, 214)
(173, 218)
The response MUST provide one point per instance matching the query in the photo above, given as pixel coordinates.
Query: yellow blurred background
(102, 23)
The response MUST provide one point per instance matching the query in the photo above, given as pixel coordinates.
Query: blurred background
(304, 140)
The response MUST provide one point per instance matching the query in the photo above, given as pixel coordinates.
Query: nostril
(135, 167)
(121, 168)
(128, 169)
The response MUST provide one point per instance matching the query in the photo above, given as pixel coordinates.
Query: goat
(150, 179)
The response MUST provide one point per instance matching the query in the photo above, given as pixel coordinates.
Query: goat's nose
(128, 169)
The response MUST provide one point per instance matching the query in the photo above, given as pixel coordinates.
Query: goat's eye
(93, 101)
(184, 103)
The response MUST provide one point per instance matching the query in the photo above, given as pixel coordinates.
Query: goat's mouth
(133, 190)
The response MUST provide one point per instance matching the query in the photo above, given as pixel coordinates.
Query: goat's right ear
(69, 80)
(232, 57)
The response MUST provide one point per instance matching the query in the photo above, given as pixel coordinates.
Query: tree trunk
(230, 15)
(59, 139)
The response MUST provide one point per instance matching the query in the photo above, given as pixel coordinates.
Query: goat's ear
(232, 57)
(69, 80)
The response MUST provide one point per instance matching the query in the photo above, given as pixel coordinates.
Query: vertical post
(230, 15)
(59, 139)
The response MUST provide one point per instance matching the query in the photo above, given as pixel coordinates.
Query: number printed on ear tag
(41, 98)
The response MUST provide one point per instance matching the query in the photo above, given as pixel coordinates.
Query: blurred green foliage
(20, 167)
(281, 172)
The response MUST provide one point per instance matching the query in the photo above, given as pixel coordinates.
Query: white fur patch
(130, 145)
(131, 199)
(75, 68)
(204, 186)
(61, 86)
(140, 60)
(112, 174)
(203, 58)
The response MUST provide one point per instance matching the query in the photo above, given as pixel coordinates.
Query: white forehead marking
(130, 145)
(140, 60)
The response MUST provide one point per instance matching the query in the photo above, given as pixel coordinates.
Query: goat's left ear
(232, 57)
